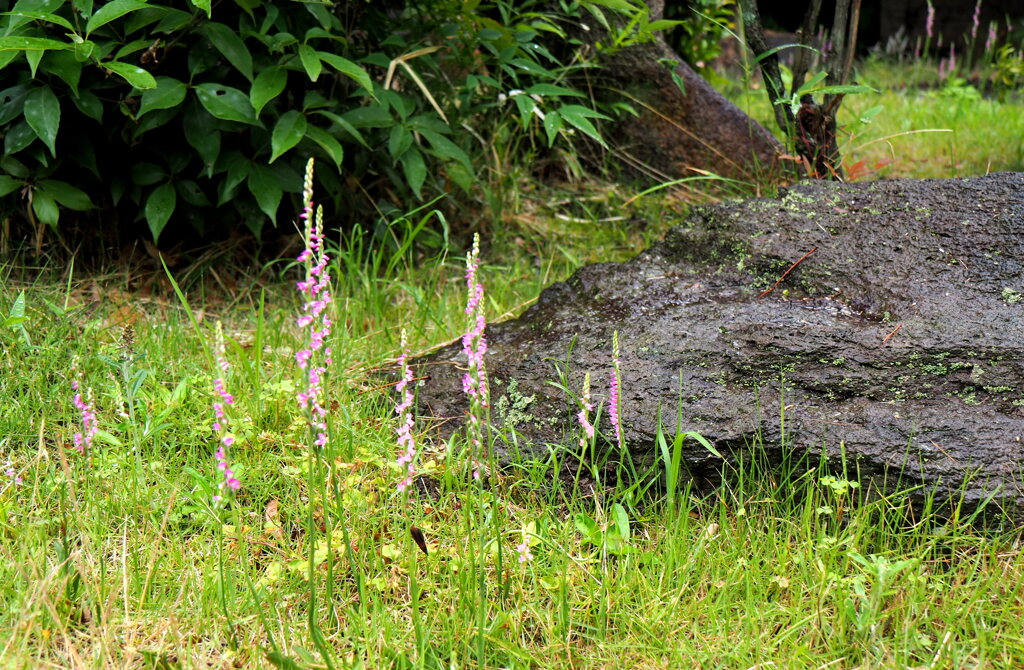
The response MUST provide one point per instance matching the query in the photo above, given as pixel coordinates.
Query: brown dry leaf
(272, 521)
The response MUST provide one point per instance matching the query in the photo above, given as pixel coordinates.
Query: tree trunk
(684, 125)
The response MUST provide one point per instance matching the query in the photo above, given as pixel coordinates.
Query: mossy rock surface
(898, 342)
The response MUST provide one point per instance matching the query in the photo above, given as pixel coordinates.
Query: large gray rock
(898, 342)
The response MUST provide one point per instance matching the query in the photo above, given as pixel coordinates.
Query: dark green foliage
(152, 111)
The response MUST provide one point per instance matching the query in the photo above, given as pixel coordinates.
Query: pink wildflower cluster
(11, 473)
(83, 439)
(929, 24)
(404, 410)
(613, 391)
(315, 358)
(220, 424)
(975, 21)
(990, 41)
(524, 550)
(584, 413)
(474, 345)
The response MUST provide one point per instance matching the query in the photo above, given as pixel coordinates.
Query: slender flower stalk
(83, 439)
(474, 345)
(929, 24)
(613, 392)
(990, 42)
(975, 21)
(316, 290)
(584, 414)
(406, 441)
(228, 483)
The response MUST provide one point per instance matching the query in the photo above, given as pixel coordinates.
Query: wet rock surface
(896, 345)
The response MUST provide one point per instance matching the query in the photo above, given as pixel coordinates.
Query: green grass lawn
(915, 126)
(116, 556)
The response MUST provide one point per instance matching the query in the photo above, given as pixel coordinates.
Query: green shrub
(155, 111)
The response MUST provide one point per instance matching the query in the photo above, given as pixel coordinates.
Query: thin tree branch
(769, 65)
(805, 36)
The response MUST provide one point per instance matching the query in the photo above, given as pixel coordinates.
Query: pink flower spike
(404, 411)
(221, 424)
(584, 414)
(523, 549)
(82, 440)
(316, 356)
(613, 391)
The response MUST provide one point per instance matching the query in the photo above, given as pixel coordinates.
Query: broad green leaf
(225, 102)
(89, 104)
(112, 11)
(265, 187)
(133, 47)
(42, 112)
(7, 56)
(621, 520)
(19, 43)
(46, 208)
(8, 185)
(319, 10)
(310, 61)
(552, 124)
(344, 125)
(17, 313)
(373, 116)
(147, 174)
(447, 149)
(281, 661)
(202, 133)
(586, 526)
(193, 195)
(139, 20)
(415, 170)
(268, 85)
(288, 130)
(526, 105)
(845, 89)
(133, 74)
(231, 45)
(204, 5)
(66, 66)
(347, 68)
(169, 93)
(238, 167)
(173, 21)
(66, 194)
(159, 207)
(18, 137)
(327, 142)
(84, 7)
(552, 90)
(12, 102)
(14, 167)
(399, 141)
(579, 116)
(41, 16)
(154, 120)
(662, 24)
(33, 58)
(84, 50)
